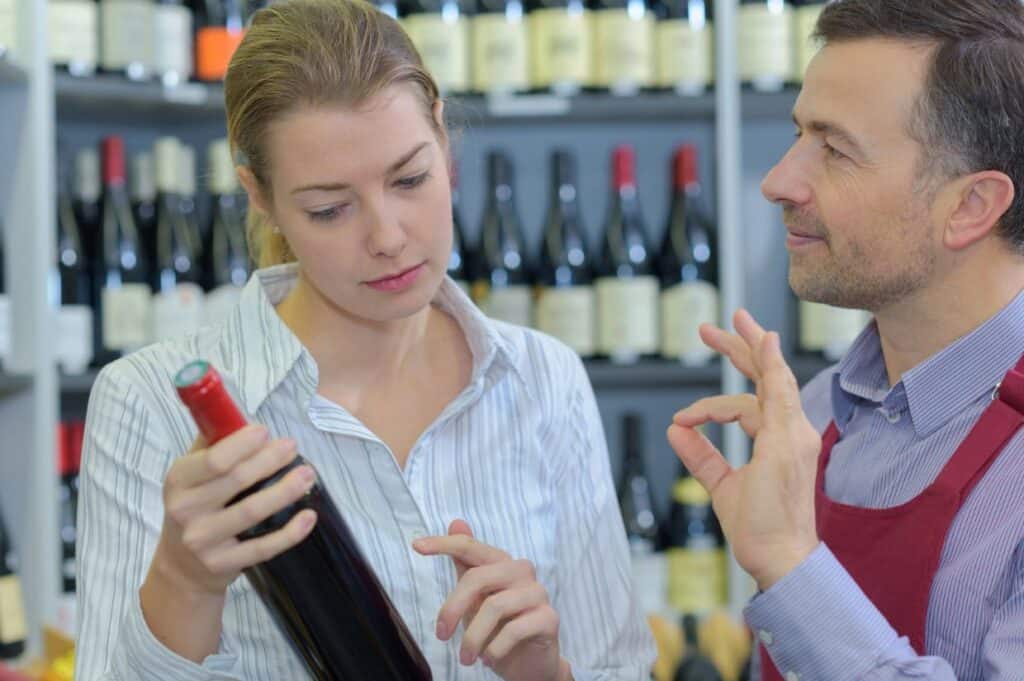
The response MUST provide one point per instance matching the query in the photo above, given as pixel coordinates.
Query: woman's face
(364, 200)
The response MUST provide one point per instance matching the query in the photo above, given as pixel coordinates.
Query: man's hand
(766, 508)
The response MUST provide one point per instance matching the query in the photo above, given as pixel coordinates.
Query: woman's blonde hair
(311, 53)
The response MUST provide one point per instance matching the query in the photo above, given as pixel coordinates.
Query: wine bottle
(502, 288)
(829, 331)
(126, 37)
(178, 300)
(322, 593)
(696, 551)
(13, 629)
(565, 305)
(500, 58)
(684, 41)
(627, 288)
(806, 13)
(8, 26)
(73, 27)
(460, 261)
(187, 195)
(221, 27)
(125, 295)
(765, 33)
(688, 267)
(75, 336)
(86, 193)
(227, 267)
(67, 469)
(636, 500)
(694, 666)
(440, 31)
(143, 192)
(623, 41)
(172, 56)
(561, 45)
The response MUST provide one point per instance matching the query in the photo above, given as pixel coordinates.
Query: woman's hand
(508, 622)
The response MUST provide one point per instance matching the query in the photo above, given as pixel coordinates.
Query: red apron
(893, 553)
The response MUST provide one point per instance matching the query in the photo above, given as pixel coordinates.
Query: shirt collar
(260, 351)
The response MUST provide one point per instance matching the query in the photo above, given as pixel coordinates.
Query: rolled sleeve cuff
(817, 623)
(142, 657)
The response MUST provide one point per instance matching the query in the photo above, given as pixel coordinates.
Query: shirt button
(766, 637)
(792, 676)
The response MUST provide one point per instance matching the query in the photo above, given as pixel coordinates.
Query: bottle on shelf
(13, 628)
(626, 286)
(122, 277)
(220, 29)
(227, 266)
(172, 54)
(684, 45)
(636, 500)
(623, 46)
(688, 267)
(805, 18)
(695, 666)
(566, 305)
(75, 333)
(697, 580)
(143, 193)
(5, 303)
(561, 45)
(500, 53)
(8, 26)
(460, 262)
(765, 30)
(502, 288)
(127, 42)
(829, 331)
(187, 195)
(69, 456)
(87, 191)
(307, 586)
(73, 30)
(440, 31)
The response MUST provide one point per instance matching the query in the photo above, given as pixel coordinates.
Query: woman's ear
(252, 188)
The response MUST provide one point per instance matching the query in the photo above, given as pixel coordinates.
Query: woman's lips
(398, 282)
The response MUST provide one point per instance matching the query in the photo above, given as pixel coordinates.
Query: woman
(466, 454)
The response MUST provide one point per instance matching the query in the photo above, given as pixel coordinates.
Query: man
(882, 520)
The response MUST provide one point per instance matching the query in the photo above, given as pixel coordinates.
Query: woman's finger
(540, 623)
(498, 608)
(476, 586)
(203, 465)
(237, 557)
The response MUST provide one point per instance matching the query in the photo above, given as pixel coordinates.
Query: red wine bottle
(75, 320)
(459, 261)
(13, 630)
(322, 593)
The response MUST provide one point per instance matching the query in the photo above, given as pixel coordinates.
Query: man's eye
(832, 151)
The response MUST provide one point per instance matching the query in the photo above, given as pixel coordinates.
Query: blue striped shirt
(817, 622)
(520, 454)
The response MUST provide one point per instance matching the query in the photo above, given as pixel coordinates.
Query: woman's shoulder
(542, 359)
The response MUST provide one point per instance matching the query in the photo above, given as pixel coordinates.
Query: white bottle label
(73, 34)
(813, 331)
(126, 317)
(12, 611)
(567, 313)
(220, 303)
(650, 580)
(67, 612)
(126, 36)
(685, 56)
(560, 47)
(512, 304)
(624, 60)
(444, 46)
(173, 40)
(627, 317)
(842, 328)
(178, 312)
(500, 62)
(806, 18)
(766, 44)
(684, 307)
(74, 338)
(5, 328)
(8, 24)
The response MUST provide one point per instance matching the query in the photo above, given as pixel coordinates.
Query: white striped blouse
(520, 454)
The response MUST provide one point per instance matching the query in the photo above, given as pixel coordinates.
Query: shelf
(77, 385)
(105, 96)
(9, 385)
(652, 373)
(11, 74)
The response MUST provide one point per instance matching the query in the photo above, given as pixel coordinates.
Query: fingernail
(307, 475)
(442, 630)
(466, 658)
(487, 660)
(308, 521)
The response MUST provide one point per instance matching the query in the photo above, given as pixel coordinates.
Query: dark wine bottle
(695, 666)
(688, 266)
(440, 31)
(74, 33)
(459, 263)
(696, 550)
(220, 27)
(500, 58)
(143, 192)
(566, 305)
(627, 289)
(123, 280)
(561, 45)
(502, 288)
(13, 629)
(683, 44)
(623, 45)
(127, 42)
(87, 192)
(75, 319)
(765, 42)
(172, 54)
(322, 593)
(227, 265)
(67, 469)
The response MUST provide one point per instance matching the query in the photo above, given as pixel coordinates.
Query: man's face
(855, 196)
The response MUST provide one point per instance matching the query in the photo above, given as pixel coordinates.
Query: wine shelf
(11, 384)
(11, 74)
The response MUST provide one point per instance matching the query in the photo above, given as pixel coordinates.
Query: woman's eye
(325, 215)
(413, 182)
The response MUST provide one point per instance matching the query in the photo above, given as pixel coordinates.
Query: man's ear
(984, 198)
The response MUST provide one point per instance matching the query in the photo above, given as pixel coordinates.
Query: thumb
(460, 526)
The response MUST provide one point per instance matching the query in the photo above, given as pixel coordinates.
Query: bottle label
(12, 611)
(74, 338)
(766, 44)
(512, 304)
(8, 23)
(178, 312)
(500, 62)
(697, 578)
(624, 60)
(627, 316)
(126, 317)
(803, 26)
(126, 34)
(5, 327)
(560, 47)
(444, 45)
(567, 313)
(649, 576)
(685, 56)
(220, 303)
(73, 34)
(684, 307)
(173, 46)
(842, 326)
